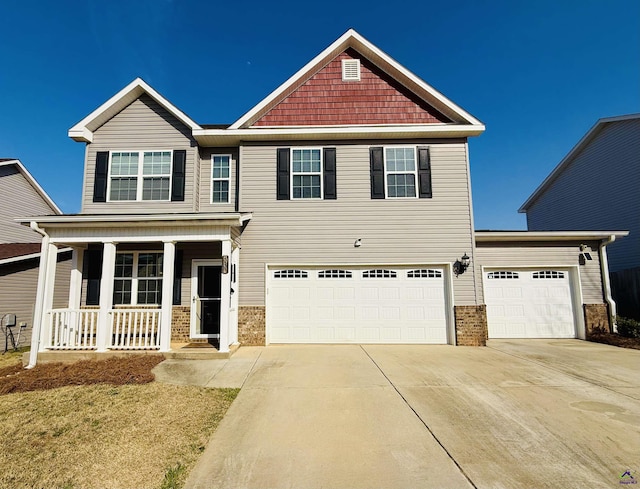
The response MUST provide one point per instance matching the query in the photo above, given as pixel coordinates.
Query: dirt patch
(615, 340)
(114, 371)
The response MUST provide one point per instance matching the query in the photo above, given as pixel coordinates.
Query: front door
(206, 297)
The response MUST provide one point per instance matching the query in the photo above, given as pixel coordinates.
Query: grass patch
(12, 358)
(105, 436)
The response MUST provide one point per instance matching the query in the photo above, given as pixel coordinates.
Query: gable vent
(350, 70)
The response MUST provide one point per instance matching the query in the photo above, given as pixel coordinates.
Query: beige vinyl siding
(143, 125)
(18, 285)
(206, 179)
(545, 255)
(598, 190)
(393, 231)
(19, 199)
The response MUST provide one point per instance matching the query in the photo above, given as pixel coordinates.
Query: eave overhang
(218, 137)
(139, 220)
(517, 236)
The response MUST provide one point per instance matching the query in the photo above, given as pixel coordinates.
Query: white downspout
(37, 313)
(604, 267)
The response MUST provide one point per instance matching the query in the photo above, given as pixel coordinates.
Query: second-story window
(220, 178)
(306, 173)
(140, 175)
(400, 172)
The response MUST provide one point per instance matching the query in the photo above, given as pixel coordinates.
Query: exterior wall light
(461, 265)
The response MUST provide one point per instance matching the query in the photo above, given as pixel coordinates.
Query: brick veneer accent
(181, 324)
(251, 325)
(471, 325)
(596, 317)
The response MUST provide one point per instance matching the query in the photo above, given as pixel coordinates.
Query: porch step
(205, 353)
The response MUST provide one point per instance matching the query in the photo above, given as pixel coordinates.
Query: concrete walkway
(518, 414)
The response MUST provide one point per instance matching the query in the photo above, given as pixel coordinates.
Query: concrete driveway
(518, 414)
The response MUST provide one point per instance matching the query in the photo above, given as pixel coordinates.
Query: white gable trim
(25, 173)
(352, 39)
(593, 132)
(83, 130)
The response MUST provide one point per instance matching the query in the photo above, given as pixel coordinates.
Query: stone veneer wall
(471, 325)
(181, 324)
(252, 325)
(596, 317)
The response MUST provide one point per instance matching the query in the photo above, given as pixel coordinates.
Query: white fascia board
(82, 131)
(264, 133)
(136, 219)
(488, 236)
(34, 183)
(352, 39)
(586, 139)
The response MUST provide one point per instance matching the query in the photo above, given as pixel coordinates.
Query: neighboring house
(597, 186)
(337, 210)
(21, 195)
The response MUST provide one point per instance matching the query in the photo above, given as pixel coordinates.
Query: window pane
(220, 167)
(155, 188)
(306, 161)
(123, 189)
(150, 291)
(401, 185)
(149, 265)
(123, 164)
(124, 265)
(122, 291)
(156, 163)
(400, 159)
(221, 191)
(306, 186)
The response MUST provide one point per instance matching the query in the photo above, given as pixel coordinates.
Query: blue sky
(538, 74)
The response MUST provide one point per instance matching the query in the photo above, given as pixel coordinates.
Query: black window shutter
(177, 279)
(100, 180)
(93, 272)
(377, 173)
(424, 172)
(178, 175)
(283, 174)
(330, 173)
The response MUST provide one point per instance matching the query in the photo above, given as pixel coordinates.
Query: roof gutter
(37, 311)
(604, 267)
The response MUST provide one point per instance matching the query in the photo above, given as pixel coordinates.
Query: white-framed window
(220, 175)
(350, 70)
(290, 274)
(306, 173)
(138, 278)
(400, 172)
(503, 275)
(548, 274)
(139, 175)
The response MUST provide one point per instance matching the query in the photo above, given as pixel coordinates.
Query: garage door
(529, 304)
(356, 305)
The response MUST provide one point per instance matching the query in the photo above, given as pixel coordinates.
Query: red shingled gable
(325, 99)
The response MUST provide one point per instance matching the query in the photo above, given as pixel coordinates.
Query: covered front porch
(139, 283)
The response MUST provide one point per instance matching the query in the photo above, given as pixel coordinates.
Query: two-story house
(337, 210)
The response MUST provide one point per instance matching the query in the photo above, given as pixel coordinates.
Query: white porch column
(49, 289)
(75, 280)
(225, 299)
(38, 343)
(106, 295)
(168, 266)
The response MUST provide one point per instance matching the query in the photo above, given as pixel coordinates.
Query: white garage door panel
(356, 305)
(529, 304)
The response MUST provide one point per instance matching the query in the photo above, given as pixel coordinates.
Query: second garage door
(529, 304)
(356, 305)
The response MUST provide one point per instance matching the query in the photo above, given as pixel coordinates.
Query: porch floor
(178, 351)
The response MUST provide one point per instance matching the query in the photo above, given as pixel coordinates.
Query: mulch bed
(116, 371)
(615, 340)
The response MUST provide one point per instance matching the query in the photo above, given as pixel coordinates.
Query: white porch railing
(73, 329)
(135, 329)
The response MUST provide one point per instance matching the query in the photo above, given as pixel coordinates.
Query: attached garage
(373, 304)
(525, 303)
